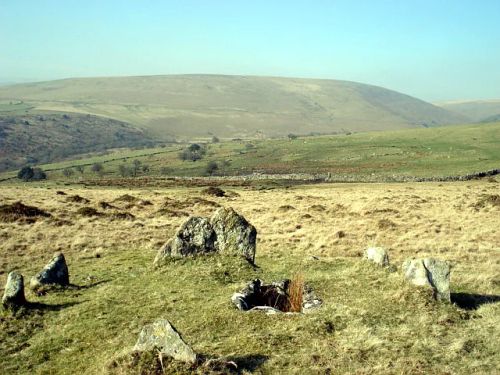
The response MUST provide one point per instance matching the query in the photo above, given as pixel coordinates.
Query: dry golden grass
(371, 320)
(296, 293)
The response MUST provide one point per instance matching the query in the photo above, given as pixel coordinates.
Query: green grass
(368, 314)
(446, 151)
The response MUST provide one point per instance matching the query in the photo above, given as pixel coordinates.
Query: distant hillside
(479, 111)
(187, 106)
(35, 138)
(371, 156)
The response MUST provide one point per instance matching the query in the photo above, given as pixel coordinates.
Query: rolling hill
(188, 106)
(476, 110)
(34, 138)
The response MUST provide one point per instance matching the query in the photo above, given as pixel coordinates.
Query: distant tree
(25, 173)
(68, 172)
(212, 168)
(31, 174)
(39, 174)
(292, 136)
(215, 139)
(193, 153)
(124, 170)
(97, 168)
(80, 168)
(136, 165)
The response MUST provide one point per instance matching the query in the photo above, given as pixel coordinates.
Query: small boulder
(234, 233)
(13, 295)
(429, 272)
(54, 273)
(162, 335)
(377, 255)
(195, 236)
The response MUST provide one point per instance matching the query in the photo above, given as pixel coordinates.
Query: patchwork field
(371, 320)
(381, 156)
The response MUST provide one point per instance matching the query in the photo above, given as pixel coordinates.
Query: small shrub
(25, 173)
(212, 168)
(68, 172)
(97, 168)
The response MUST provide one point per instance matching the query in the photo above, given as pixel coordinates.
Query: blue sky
(431, 49)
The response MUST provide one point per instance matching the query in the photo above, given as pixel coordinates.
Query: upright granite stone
(195, 236)
(54, 273)
(377, 255)
(234, 233)
(162, 335)
(13, 295)
(429, 272)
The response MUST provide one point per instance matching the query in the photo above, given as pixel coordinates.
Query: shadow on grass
(231, 364)
(88, 286)
(250, 362)
(49, 307)
(472, 301)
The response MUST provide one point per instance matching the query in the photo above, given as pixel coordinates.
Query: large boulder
(13, 295)
(163, 336)
(54, 273)
(195, 236)
(429, 272)
(377, 255)
(234, 233)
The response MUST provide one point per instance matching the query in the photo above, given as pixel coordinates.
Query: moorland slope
(187, 106)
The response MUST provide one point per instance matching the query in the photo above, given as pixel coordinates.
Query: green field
(446, 151)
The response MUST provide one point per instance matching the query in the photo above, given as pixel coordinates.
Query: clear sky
(431, 49)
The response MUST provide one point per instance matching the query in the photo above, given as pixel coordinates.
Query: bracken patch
(19, 212)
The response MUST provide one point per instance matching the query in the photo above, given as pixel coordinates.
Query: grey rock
(162, 335)
(377, 255)
(195, 236)
(234, 233)
(429, 272)
(226, 232)
(13, 295)
(54, 273)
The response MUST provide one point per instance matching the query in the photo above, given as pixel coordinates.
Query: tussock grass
(371, 320)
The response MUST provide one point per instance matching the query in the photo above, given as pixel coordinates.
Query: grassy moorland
(187, 106)
(446, 151)
(371, 321)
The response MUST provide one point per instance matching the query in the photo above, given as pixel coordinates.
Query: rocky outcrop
(429, 272)
(54, 273)
(13, 295)
(377, 255)
(234, 233)
(163, 336)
